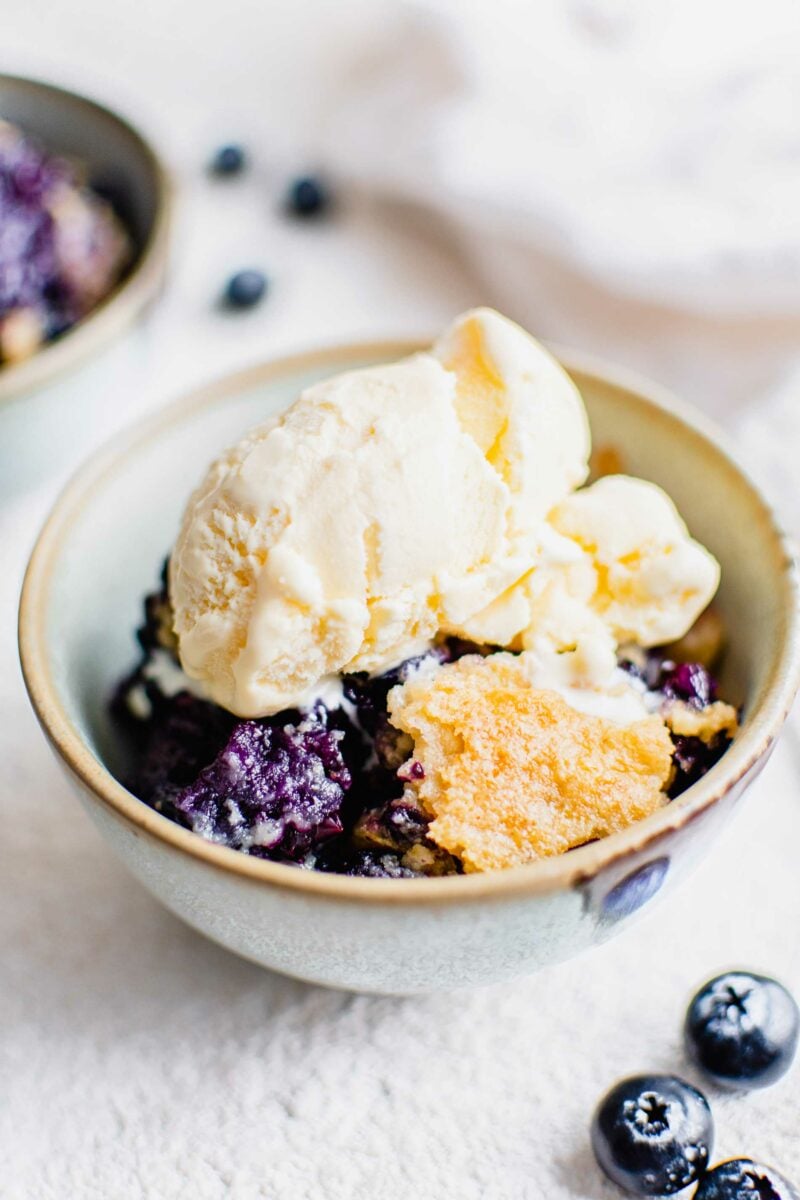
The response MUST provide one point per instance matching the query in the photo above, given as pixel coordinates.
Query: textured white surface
(652, 149)
(605, 166)
(140, 1062)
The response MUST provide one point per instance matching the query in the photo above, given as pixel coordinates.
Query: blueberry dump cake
(400, 635)
(62, 248)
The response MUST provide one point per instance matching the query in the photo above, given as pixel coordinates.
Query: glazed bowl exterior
(100, 551)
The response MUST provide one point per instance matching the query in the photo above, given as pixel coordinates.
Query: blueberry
(690, 682)
(274, 790)
(42, 291)
(245, 289)
(693, 758)
(743, 1179)
(229, 160)
(307, 197)
(370, 864)
(742, 1030)
(652, 1134)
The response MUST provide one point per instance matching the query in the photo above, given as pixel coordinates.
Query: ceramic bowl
(126, 168)
(100, 551)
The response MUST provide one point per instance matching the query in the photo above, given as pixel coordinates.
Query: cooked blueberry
(396, 825)
(369, 692)
(178, 736)
(693, 758)
(690, 682)
(652, 1134)
(274, 790)
(370, 864)
(743, 1179)
(308, 196)
(742, 1030)
(61, 249)
(245, 289)
(229, 160)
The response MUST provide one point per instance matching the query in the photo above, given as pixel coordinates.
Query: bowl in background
(125, 169)
(101, 550)
(43, 416)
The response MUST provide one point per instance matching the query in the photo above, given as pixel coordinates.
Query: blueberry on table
(245, 289)
(307, 197)
(742, 1030)
(652, 1134)
(743, 1179)
(228, 160)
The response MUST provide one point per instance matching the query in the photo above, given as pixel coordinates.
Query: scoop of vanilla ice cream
(385, 505)
(550, 603)
(614, 563)
(522, 410)
(588, 682)
(652, 580)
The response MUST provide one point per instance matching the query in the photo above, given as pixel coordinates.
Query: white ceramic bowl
(45, 413)
(100, 551)
(120, 163)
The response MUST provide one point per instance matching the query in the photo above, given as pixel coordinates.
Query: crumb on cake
(705, 723)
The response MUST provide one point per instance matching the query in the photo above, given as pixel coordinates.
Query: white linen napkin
(624, 177)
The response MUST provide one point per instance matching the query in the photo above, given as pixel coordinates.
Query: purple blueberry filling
(397, 824)
(689, 682)
(61, 247)
(694, 758)
(182, 736)
(324, 788)
(28, 266)
(274, 790)
(694, 685)
(342, 859)
(368, 693)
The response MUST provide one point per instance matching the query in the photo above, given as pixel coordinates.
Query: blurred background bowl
(126, 171)
(67, 396)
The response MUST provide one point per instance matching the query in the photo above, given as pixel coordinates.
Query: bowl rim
(120, 307)
(544, 876)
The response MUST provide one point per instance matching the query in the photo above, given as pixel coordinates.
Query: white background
(138, 1060)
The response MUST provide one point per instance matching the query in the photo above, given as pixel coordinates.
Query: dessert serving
(401, 634)
(62, 247)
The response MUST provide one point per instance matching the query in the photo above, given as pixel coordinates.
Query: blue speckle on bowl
(632, 892)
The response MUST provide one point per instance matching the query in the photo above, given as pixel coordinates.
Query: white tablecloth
(138, 1060)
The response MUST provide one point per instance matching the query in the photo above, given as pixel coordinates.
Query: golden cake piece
(513, 773)
(704, 723)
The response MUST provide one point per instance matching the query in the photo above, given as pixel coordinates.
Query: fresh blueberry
(742, 1030)
(308, 197)
(652, 1134)
(743, 1179)
(245, 289)
(229, 160)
